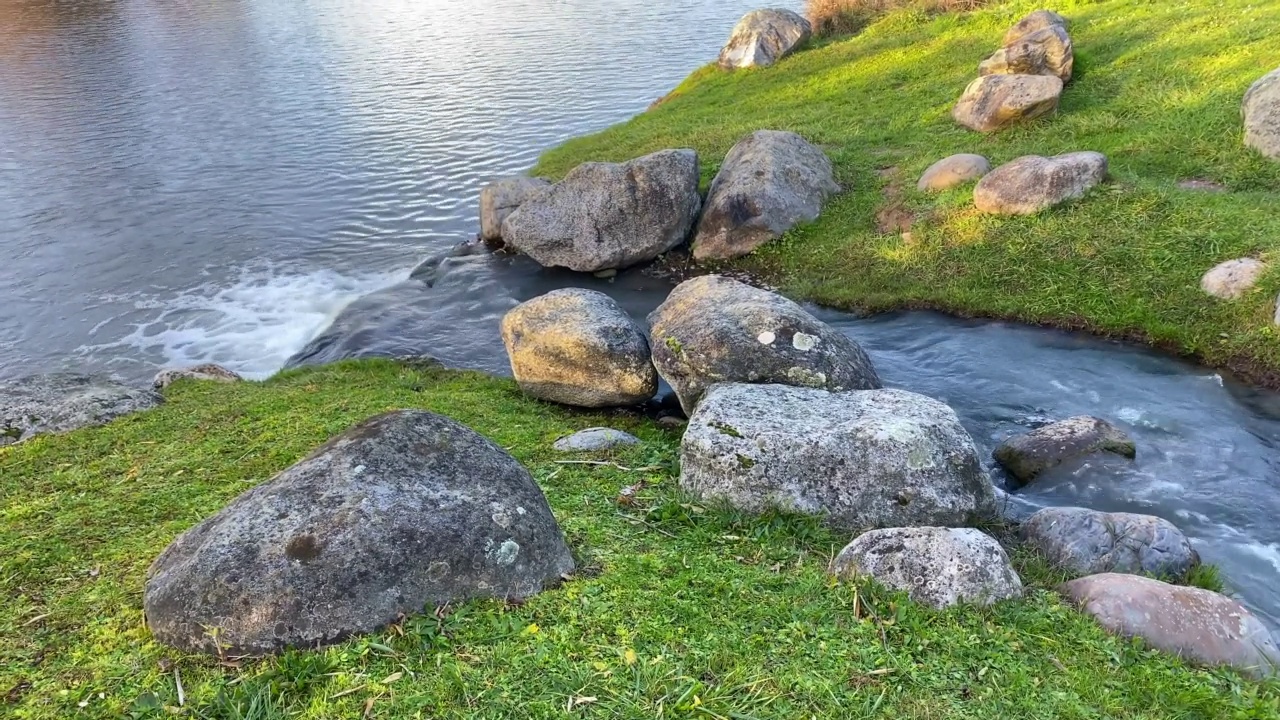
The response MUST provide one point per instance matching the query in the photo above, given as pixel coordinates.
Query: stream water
(184, 182)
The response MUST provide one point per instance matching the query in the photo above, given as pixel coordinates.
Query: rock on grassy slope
(1157, 88)
(677, 609)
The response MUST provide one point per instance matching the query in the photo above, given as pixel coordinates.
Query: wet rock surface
(1026, 456)
(501, 198)
(62, 402)
(207, 371)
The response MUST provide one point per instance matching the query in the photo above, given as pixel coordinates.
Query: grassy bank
(1158, 88)
(680, 611)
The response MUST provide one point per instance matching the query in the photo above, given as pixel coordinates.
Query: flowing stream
(184, 182)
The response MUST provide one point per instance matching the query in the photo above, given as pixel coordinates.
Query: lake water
(185, 182)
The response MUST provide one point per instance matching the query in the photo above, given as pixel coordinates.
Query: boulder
(1231, 279)
(953, 171)
(1026, 456)
(763, 37)
(1034, 22)
(1088, 542)
(937, 567)
(1044, 52)
(1032, 183)
(207, 371)
(609, 215)
(769, 182)
(713, 329)
(500, 199)
(862, 459)
(994, 102)
(577, 347)
(62, 402)
(598, 438)
(405, 511)
(1261, 110)
(1200, 626)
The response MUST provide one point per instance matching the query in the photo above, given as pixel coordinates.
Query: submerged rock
(1026, 456)
(207, 371)
(405, 511)
(861, 459)
(769, 182)
(763, 37)
(1047, 51)
(1032, 183)
(1233, 278)
(953, 171)
(713, 329)
(1261, 110)
(501, 198)
(609, 215)
(937, 567)
(62, 402)
(598, 438)
(1200, 626)
(994, 102)
(1088, 542)
(578, 347)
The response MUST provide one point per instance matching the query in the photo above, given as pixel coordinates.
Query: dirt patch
(894, 217)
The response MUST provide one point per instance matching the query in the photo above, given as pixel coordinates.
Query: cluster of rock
(1024, 186)
(1024, 79)
(608, 216)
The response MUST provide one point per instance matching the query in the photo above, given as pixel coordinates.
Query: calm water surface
(185, 181)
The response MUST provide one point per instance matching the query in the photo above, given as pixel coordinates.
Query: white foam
(253, 325)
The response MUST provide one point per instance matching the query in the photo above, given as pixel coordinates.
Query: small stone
(1233, 278)
(606, 274)
(1261, 110)
(763, 37)
(994, 102)
(953, 171)
(1033, 183)
(671, 422)
(1200, 626)
(208, 371)
(597, 438)
(936, 567)
(1027, 456)
(1088, 541)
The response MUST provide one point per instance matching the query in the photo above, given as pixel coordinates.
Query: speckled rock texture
(1047, 51)
(1034, 22)
(1202, 627)
(1087, 542)
(937, 567)
(593, 439)
(1032, 183)
(1261, 110)
(207, 371)
(1026, 456)
(769, 182)
(62, 402)
(1233, 278)
(763, 37)
(994, 102)
(578, 347)
(863, 459)
(501, 198)
(610, 216)
(953, 171)
(405, 511)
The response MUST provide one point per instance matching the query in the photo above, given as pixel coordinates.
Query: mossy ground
(679, 611)
(1157, 88)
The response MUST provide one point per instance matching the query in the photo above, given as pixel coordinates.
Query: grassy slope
(1158, 88)
(682, 612)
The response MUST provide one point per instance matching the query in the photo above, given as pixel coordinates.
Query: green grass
(680, 611)
(1158, 88)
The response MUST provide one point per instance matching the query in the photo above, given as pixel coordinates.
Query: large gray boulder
(501, 198)
(995, 102)
(763, 37)
(1087, 542)
(609, 216)
(405, 511)
(1033, 183)
(1200, 626)
(62, 402)
(769, 182)
(1233, 278)
(578, 347)
(937, 567)
(713, 329)
(206, 371)
(863, 459)
(1261, 110)
(1027, 456)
